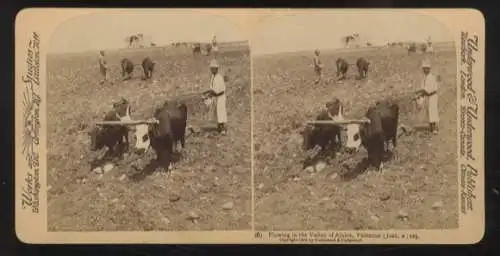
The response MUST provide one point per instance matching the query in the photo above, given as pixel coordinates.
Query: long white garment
(430, 84)
(217, 84)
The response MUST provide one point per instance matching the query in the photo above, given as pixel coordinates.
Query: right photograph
(355, 122)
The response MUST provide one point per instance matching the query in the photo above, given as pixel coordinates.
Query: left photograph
(148, 124)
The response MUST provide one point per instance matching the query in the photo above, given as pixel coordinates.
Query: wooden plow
(338, 122)
(128, 122)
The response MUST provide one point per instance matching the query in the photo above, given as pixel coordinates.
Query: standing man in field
(215, 46)
(428, 91)
(217, 92)
(318, 67)
(103, 66)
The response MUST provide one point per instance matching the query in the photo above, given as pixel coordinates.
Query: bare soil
(418, 188)
(209, 189)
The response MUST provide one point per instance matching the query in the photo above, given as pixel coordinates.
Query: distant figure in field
(215, 46)
(103, 66)
(428, 94)
(318, 67)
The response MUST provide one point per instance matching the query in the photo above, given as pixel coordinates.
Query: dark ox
(375, 135)
(114, 137)
(148, 67)
(324, 138)
(342, 67)
(127, 68)
(363, 66)
(164, 136)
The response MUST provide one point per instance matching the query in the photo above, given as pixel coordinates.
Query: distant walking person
(318, 67)
(428, 91)
(215, 46)
(217, 92)
(103, 66)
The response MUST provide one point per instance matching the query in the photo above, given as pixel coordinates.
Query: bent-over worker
(428, 90)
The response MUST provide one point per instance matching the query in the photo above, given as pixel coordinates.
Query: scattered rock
(108, 167)
(204, 190)
(174, 198)
(334, 176)
(228, 206)
(437, 205)
(320, 166)
(97, 170)
(193, 216)
(260, 186)
(309, 169)
(403, 215)
(165, 220)
(385, 196)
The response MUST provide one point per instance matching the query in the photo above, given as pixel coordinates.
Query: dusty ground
(419, 186)
(210, 188)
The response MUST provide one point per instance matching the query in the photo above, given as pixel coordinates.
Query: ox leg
(183, 141)
(127, 143)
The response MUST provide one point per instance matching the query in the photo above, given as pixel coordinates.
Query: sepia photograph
(148, 124)
(249, 126)
(357, 125)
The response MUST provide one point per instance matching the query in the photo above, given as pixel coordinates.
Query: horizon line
(335, 49)
(143, 48)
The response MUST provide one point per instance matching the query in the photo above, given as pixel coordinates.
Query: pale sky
(306, 32)
(108, 31)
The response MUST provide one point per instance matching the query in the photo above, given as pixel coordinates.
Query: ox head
(354, 131)
(353, 137)
(142, 138)
(122, 109)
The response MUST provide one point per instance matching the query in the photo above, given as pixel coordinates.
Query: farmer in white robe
(218, 88)
(103, 66)
(318, 67)
(428, 92)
